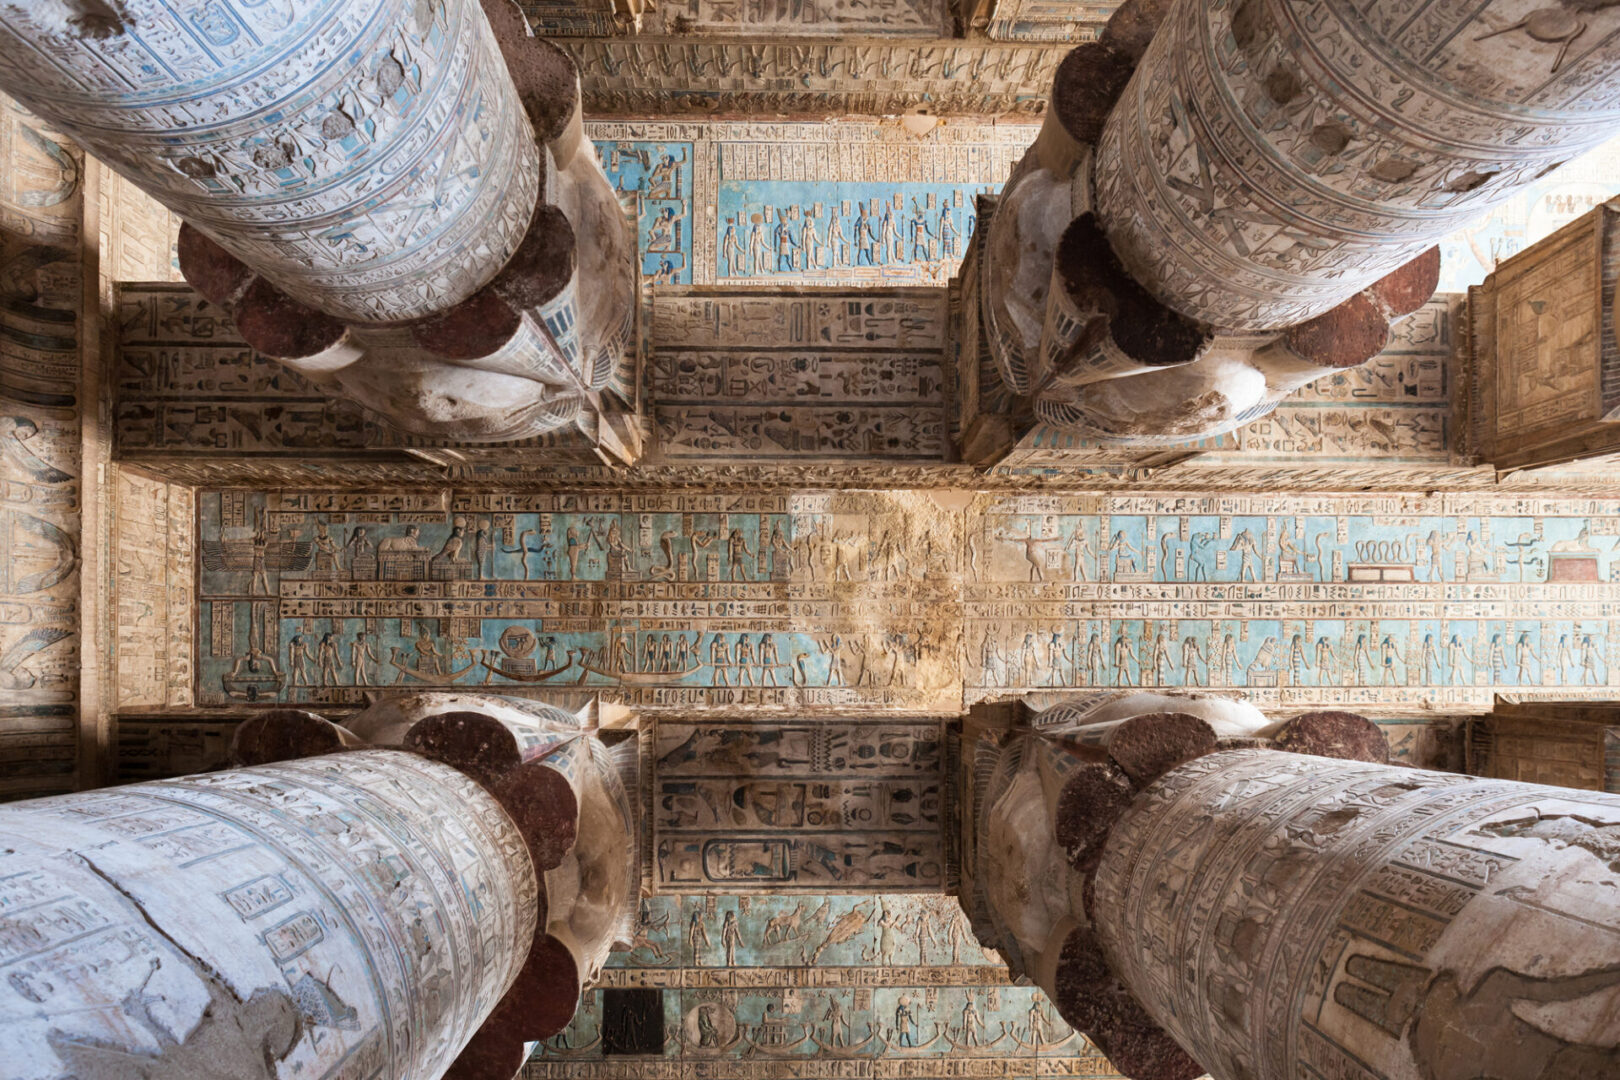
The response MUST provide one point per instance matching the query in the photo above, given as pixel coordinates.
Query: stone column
(1268, 160)
(386, 195)
(551, 772)
(1233, 198)
(1198, 895)
(370, 158)
(1283, 916)
(356, 915)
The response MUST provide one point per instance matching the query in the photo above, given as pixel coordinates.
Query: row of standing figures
(757, 247)
(1370, 660)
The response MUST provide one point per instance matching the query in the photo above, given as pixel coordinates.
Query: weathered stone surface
(493, 1054)
(476, 743)
(1333, 734)
(1149, 745)
(1041, 817)
(1234, 865)
(540, 799)
(285, 735)
(1090, 996)
(1092, 799)
(1542, 352)
(212, 160)
(43, 324)
(1339, 189)
(227, 933)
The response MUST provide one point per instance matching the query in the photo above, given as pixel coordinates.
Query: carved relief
(651, 76)
(819, 986)
(153, 591)
(823, 600)
(1278, 913)
(40, 434)
(1543, 363)
(814, 18)
(1368, 185)
(1354, 599)
(868, 205)
(812, 807)
(848, 374)
(295, 200)
(290, 914)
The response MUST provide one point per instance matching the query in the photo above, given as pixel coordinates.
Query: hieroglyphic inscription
(158, 747)
(1545, 368)
(845, 374)
(138, 234)
(834, 204)
(308, 907)
(1178, 191)
(818, 806)
(291, 110)
(186, 383)
(188, 389)
(1541, 209)
(822, 601)
(1283, 917)
(40, 433)
(774, 987)
(807, 18)
(1543, 360)
(655, 76)
(1049, 20)
(1298, 601)
(770, 600)
(153, 587)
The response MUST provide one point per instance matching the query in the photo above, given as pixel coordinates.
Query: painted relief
(885, 986)
(821, 807)
(1529, 216)
(41, 304)
(189, 393)
(856, 600)
(187, 384)
(570, 18)
(827, 600)
(1396, 408)
(654, 180)
(1073, 21)
(1297, 601)
(805, 204)
(743, 374)
(348, 247)
(814, 230)
(138, 234)
(1548, 315)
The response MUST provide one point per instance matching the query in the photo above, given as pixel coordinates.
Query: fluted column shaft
(356, 914)
(370, 158)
